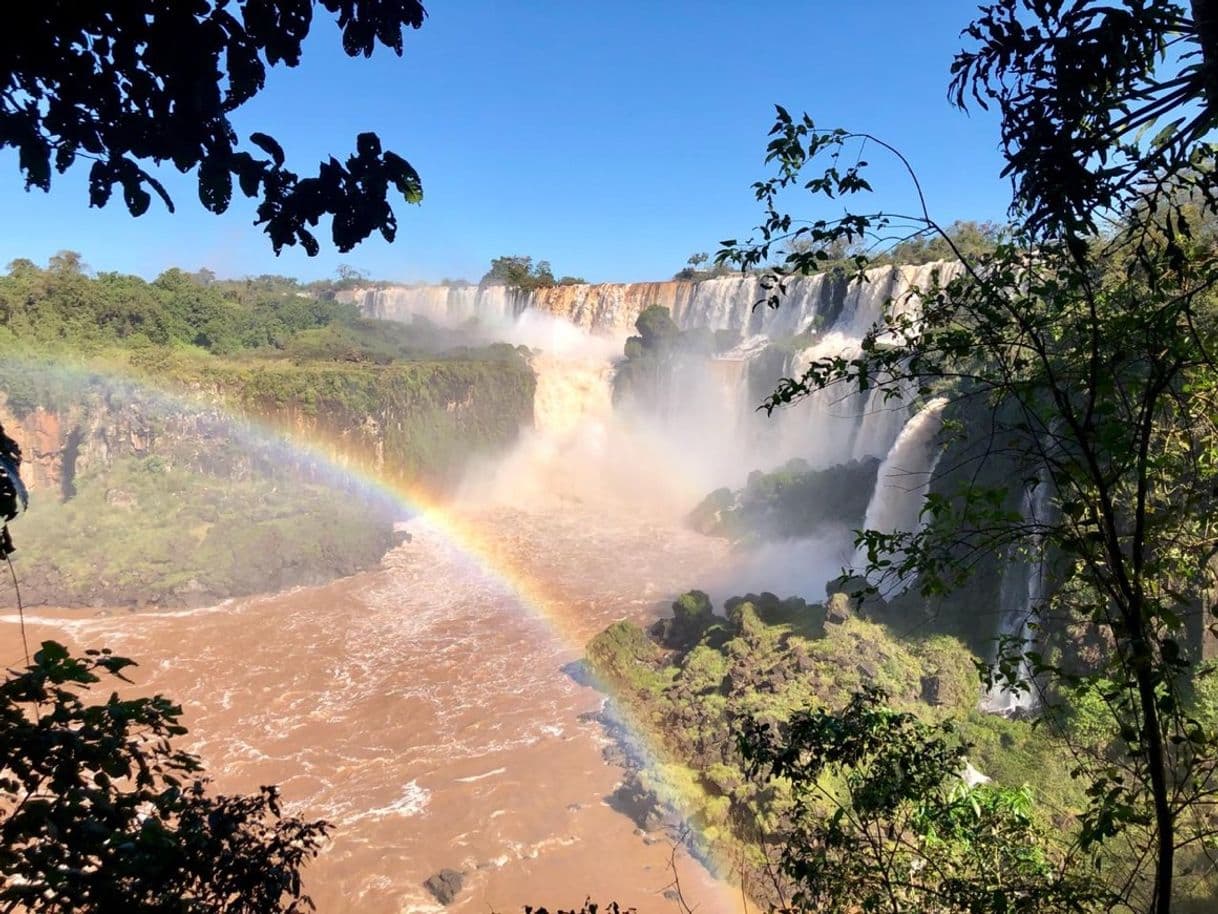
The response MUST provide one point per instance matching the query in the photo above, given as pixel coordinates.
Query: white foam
(478, 777)
(413, 801)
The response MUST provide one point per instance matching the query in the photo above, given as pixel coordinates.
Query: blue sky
(611, 139)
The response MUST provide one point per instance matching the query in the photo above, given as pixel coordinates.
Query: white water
(707, 410)
(1021, 597)
(702, 428)
(904, 479)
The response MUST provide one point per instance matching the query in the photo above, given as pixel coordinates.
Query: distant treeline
(63, 304)
(64, 307)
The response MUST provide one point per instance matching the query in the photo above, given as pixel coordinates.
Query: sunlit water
(424, 711)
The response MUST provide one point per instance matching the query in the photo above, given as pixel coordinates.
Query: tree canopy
(1104, 106)
(131, 86)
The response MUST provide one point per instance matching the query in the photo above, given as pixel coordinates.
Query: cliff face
(613, 306)
(608, 308)
(412, 421)
(140, 497)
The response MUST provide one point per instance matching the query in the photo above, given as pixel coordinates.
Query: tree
(1081, 345)
(102, 814)
(1079, 84)
(519, 273)
(130, 86)
(696, 260)
(67, 263)
(349, 275)
(883, 820)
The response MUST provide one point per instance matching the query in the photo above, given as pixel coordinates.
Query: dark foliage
(1079, 83)
(101, 813)
(12, 490)
(123, 85)
(519, 273)
(588, 907)
(883, 821)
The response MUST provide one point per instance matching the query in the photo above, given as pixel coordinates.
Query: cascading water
(448, 306)
(706, 409)
(1021, 596)
(904, 479)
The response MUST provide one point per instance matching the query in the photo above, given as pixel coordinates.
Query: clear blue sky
(611, 139)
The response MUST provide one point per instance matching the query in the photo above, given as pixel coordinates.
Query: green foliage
(145, 83)
(841, 257)
(792, 501)
(652, 355)
(881, 820)
(68, 308)
(657, 331)
(520, 274)
(1085, 337)
(695, 272)
(699, 675)
(155, 531)
(1133, 86)
(103, 813)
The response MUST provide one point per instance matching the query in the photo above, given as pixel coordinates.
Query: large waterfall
(709, 409)
(699, 427)
(825, 301)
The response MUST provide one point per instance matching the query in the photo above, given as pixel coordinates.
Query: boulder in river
(445, 885)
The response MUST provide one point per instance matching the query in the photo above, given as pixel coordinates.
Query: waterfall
(707, 407)
(904, 479)
(1021, 594)
(571, 395)
(448, 306)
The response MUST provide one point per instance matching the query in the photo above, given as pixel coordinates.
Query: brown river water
(424, 711)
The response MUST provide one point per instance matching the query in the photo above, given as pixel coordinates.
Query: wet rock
(445, 885)
(932, 690)
(803, 663)
(579, 673)
(692, 614)
(638, 804)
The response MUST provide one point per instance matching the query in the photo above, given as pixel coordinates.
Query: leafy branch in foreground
(131, 86)
(99, 812)
(883, 820)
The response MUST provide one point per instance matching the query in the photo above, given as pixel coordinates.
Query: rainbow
(334, 462)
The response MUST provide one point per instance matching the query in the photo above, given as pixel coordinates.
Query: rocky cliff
(231, 477)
